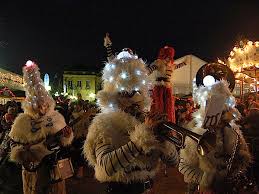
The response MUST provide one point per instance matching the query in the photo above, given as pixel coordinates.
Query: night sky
(68, 34)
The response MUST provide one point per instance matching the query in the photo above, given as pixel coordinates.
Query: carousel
(244, 62)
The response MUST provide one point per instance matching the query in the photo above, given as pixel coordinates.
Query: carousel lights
(250, 43)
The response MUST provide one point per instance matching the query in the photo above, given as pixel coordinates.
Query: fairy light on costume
(128, 75)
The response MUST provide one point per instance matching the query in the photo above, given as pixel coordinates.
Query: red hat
(166, 52)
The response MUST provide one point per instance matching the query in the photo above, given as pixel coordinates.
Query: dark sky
(62, 34)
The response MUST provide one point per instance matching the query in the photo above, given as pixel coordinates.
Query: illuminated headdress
(125, 74)
(213, 79)
(36, 94)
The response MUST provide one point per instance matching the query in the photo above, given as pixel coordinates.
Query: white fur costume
(22, 133)
(204, 170)
(119, 146)
(30, 132)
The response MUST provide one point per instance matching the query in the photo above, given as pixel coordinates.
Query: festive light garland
(11, 79)
(5, 89)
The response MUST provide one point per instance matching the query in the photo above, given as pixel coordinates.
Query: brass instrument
(206, 142)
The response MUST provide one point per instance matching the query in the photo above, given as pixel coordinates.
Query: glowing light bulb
(29, 63)
(111, 105)
(123, 75)
(136, 88)
(209, 80)
(112, 66)
(111, 79)
(122, 88)
(138, 72)
(250, 43)
(143, 82)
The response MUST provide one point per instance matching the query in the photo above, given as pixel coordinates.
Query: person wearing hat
(221, 170)
(160, 73)
(36, 136)
(122, 143)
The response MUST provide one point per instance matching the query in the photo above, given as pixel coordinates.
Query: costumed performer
(220, 170)
(122, 143)
(36, 136)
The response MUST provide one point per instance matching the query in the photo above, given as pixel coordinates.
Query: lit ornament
(111, 79)
(209, 80)
(29, 63)
(136, 88)
(113, 66)
(138, 72)
(123, 75)
(107, 67)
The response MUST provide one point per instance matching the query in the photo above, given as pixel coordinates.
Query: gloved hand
(107, 40)
(154, 121)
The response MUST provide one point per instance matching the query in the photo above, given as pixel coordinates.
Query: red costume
(160, 72)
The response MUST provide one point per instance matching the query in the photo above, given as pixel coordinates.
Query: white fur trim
(144, 138)
(114, 128)
(21, 130)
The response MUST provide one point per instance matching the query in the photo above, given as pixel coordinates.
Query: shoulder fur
(21, 130)
(105, 126)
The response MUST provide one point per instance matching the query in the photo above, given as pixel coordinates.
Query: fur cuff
(144, 138)
(35, 154)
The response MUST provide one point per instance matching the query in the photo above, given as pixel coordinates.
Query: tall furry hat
(36, 94)
(125, 74)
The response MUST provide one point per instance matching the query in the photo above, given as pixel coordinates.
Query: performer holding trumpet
(122, 143)
(219, 170)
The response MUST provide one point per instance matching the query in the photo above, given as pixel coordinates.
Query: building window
(87, 84)
(79, 84)
(70, 84)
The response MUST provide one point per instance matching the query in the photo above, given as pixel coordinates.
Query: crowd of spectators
(184, 108)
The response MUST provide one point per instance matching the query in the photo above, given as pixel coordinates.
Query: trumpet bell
(206, 143)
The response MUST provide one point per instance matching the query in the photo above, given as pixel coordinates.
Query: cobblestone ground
(170, 184)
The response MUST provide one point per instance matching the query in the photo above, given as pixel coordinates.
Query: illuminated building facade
(83, 82)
